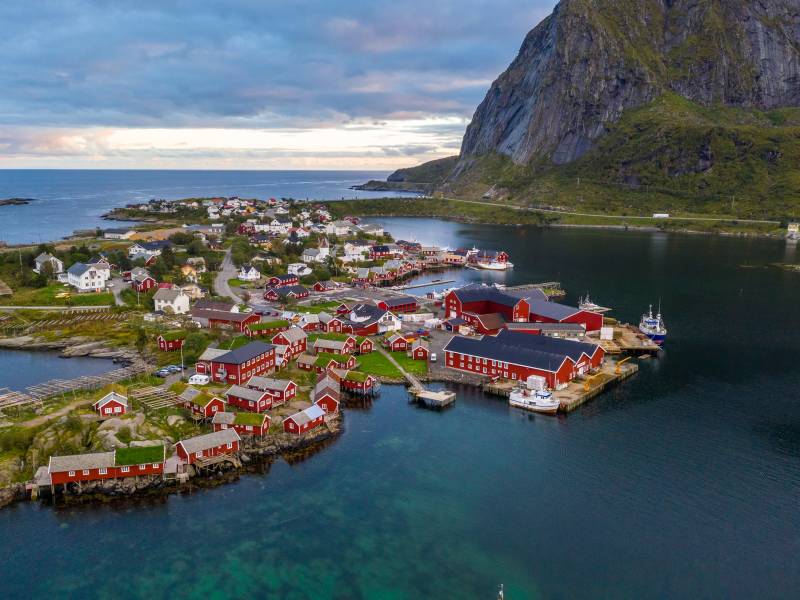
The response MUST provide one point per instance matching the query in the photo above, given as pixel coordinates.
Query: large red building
(295, 340)
(396, 304)
(487, 309)
(517, 356)
(238, 366)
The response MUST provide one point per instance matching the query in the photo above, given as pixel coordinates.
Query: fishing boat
(540, 401)
(494, 265)
(653, 326)
(585, 303)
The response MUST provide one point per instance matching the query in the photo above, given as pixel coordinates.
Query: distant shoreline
(16, 201)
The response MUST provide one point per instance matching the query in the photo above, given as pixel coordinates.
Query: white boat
(540, 401)
(494, 265)
(587, 304)
(653, 326)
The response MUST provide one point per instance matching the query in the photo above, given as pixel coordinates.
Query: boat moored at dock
(541, 401)
(653, 326)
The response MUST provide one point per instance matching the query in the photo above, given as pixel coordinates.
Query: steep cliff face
(582, 67)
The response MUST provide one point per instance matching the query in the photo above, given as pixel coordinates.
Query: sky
(257, 84)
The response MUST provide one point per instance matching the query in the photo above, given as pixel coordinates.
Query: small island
(15, 201)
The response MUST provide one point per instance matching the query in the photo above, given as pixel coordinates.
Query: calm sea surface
(681, 483)
(19, 369)
(70, 200)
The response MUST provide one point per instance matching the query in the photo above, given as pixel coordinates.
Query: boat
(585, 303)
(541, 401)
(653, 326)
(494, 265)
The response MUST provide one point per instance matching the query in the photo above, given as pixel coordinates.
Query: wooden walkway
(4, 289)
(412, 381)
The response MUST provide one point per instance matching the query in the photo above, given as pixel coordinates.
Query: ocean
(682, 482)
(67, 200)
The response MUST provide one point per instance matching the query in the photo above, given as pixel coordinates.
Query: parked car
(162, 373)
(199, 379)
(174, 368)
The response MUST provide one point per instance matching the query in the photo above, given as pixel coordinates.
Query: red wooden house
(304, 421)
(282, 280)
(396, 342)
(143, 283)
(280, 390)
(171, 341)
(364, 345)
(266, 328)
(326, 362)
(379, 251)
(295, 340)
(112, 404)
(201, 404)
(335, 344)
(324, 286)
(420, 350)
(342, 309)
(206, 446)
(242, 423)
(212, 318)
(331, 323)
(357, 382)
(248, 399)
(328, 400)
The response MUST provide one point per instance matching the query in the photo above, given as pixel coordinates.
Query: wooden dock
(437, 400)
(629, 340)
(576, 393)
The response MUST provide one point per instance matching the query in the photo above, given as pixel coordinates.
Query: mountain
(640, 103)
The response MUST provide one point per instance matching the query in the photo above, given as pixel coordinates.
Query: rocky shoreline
(256, 457)
(70, 348)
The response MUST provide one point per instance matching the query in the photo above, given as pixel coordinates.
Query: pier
(417, 390)
(629, 340)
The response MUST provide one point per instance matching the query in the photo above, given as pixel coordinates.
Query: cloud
(73, 68)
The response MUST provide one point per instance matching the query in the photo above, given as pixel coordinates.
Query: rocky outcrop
(587, 63)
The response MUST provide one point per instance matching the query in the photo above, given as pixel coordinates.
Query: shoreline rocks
(70, 348)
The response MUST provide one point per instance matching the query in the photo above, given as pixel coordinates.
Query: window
(86, 471)
(198, 454)
(230, 445)
(249, 428)
(125, 469)
(155, 465)
(72, 473)
(142, 467)
(103, 471)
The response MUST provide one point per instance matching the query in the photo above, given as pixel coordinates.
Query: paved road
(119, 285)
(228, 271)
(606, 216)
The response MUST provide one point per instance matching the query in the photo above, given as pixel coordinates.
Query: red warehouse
(118, 464)
(209, 445)
(242, 423)
(473, 300)
(223, 319)
(550, 312)
(396, 304)
(517, 356)
(304, 421)
(111, 404)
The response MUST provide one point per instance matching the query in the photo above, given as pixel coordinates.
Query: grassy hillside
(672, 155)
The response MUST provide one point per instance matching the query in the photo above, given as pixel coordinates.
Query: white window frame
(126, 469)
(103, 471)
(71, 474)
(86, 471)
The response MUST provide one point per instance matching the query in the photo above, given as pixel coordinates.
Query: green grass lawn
(237, 342)
(321, 307)
(376, 363)
(415, 367)
(235, 282)
(46, 296)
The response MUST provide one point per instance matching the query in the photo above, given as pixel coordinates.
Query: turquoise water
(681, 483)
(70, 200)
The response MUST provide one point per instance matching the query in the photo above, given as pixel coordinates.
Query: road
(117, 288)
(227, 271)
(606, 216)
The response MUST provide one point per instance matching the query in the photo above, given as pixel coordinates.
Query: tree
(141, 339)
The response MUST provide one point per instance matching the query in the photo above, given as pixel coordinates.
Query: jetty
(627, 339)
(427, 398)
(422, 285)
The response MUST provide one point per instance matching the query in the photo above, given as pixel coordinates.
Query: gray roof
(309, 414)
(244, 353)
(330, 344)
(267, 383)
(79, 269)
(212, 353)
(167, 294)
(44, 257)
(189, 394)
(209, 440)
(551, 310)
(224, 418)
(245, 393)
(294, 334)
(79, 462)
(537, 351)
